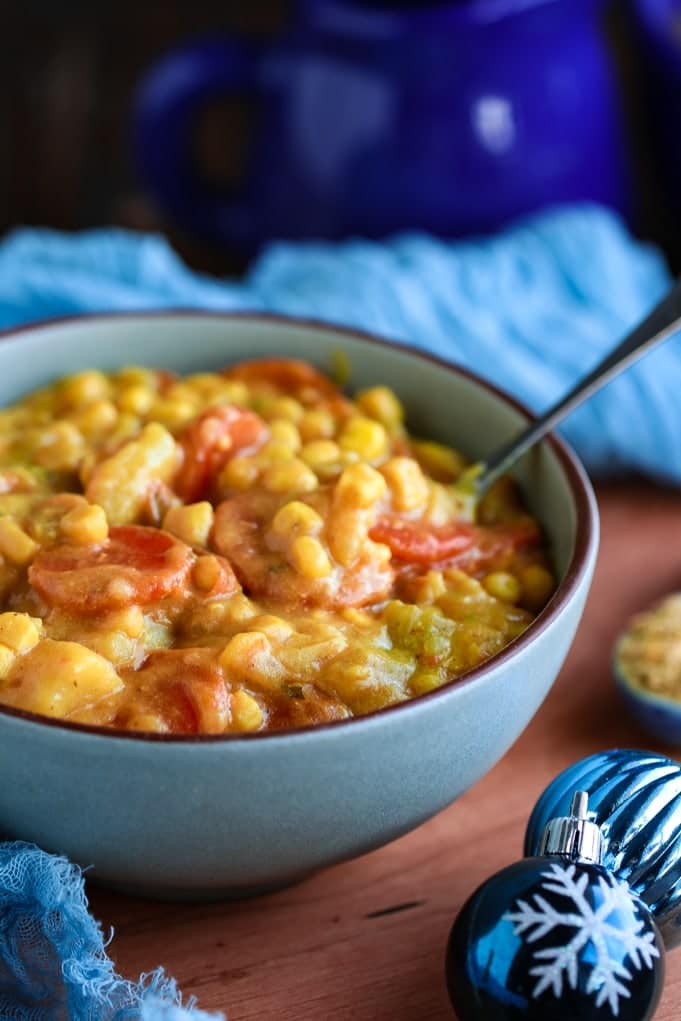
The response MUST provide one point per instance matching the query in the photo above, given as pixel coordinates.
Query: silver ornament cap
(574, 836)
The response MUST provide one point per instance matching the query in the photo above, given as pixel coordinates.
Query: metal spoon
(663, 322)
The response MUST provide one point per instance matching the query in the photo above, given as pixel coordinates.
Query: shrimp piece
(240, 531)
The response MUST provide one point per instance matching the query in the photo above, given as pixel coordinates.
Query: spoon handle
(659, 325)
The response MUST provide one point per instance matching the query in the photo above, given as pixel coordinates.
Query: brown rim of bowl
(577, 479)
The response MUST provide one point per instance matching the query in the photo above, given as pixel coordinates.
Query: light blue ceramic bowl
(225, 816)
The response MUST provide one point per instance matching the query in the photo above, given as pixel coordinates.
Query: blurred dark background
(67, 74)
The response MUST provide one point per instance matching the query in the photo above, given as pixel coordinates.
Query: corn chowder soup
(244, 550)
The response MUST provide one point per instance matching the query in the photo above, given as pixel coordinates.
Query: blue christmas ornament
(635, 798)
(557, 937)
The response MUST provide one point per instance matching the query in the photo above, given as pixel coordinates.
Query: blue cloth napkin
(53, 962)
(531, 309)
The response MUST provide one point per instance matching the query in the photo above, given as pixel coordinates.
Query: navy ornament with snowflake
(556, 937)
(635, 797)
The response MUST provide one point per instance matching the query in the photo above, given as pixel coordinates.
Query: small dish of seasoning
(647, 668)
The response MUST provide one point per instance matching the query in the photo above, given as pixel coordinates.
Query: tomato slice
(290, 375)
(423, 544)
(135, 565)
(470, 547)
(209, 441)
(497, 544)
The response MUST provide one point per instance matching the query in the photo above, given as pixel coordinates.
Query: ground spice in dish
(649, 653)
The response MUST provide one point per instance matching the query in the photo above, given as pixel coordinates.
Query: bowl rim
(586, 532)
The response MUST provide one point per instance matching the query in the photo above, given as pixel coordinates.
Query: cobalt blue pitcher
(375, 117)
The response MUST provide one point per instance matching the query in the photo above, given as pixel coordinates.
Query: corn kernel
(39, 405)
(360, 485)
(381, 403)
(441, 505)
(442, 463)
(204, 383)
(285, 432)
(232, 391)
(7, 659)
(424, 588)
(248, 657)
(127, 425)
(286, 407)
(319, 454)
(461, 584)
(191, 523)
(85, 525)
(293, 519)
(82, 388)
(19, 632)
(246, 713)
(407, 483)
(15, 544)
(273, 451)
(96, 418)
(276, 628)
(317, 425)
(206, 572)
(129, 620)
(181, 391)
(309, 558)
(60, 447)
(502, 585)
(536, 584)
(239, 609)
(136, 399)
(359, 618)
(347, 532)
(349, 457)
(242, 647)
(365, 437)
(290, 477)
(136, 375)
(239, 473)
(379, 552)
(149, 722)
(172, 413)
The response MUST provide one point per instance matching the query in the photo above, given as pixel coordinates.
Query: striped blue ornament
(635, 797)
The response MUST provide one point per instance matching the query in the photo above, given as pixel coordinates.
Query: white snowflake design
(608, 977)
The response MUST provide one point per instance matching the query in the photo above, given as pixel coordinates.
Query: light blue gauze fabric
(53, 963)
(531, 309)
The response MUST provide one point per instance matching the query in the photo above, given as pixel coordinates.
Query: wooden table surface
(366, 940)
